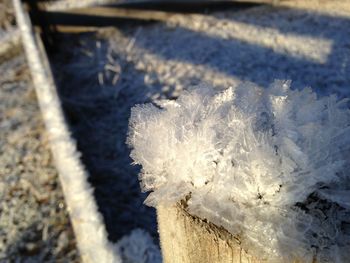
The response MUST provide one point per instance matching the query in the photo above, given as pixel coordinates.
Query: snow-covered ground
(34, 223)
(258, 45)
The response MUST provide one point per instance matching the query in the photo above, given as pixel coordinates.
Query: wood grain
(187, 239)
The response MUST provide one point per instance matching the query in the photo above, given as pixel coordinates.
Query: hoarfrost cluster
(269, 165)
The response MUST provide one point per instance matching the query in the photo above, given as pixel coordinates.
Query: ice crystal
(270, 165)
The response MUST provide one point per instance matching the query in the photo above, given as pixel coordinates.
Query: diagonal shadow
(257, 63)
(297, 21)
(311, 24)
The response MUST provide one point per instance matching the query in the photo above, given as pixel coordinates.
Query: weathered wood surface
(61, 5)
(88, 15)
(106, 15)
(186, 239)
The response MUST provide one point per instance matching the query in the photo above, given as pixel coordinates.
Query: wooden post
(187, 239)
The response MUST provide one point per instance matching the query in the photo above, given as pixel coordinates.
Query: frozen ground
(101, 77)
(34, 224)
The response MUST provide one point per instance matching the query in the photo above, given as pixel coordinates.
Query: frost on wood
(270, 165)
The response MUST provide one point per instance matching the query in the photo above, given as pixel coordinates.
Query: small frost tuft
(270, 165)
(138, 247)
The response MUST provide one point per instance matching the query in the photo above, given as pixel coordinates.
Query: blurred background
(101, 74)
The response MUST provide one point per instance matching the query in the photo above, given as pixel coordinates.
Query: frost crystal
(270, 165)
(138, 247)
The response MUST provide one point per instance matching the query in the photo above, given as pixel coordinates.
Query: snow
(269, 165)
